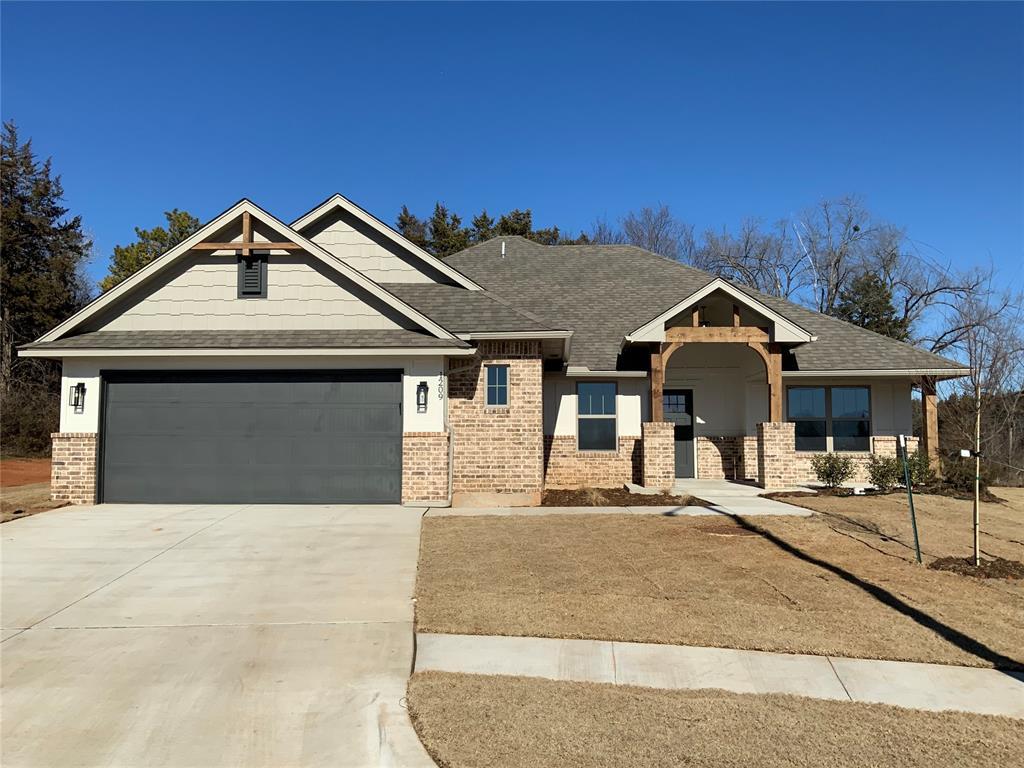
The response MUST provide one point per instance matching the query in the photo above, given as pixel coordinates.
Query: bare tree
(657, 230)
(765, 260)
(603, 233)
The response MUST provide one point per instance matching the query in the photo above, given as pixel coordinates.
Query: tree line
(836, 258)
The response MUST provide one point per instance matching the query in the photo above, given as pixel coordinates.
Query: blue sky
(576, 111)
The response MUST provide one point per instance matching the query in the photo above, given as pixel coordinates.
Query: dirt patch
(15, 472)
(616, 497)
(517, 722)
(25, 501)
(832, 584)
(997, 568)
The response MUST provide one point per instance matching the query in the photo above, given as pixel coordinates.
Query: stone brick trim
(498, 452)
(565, 466)
(659, 454)
(73, 468)
(424, 467)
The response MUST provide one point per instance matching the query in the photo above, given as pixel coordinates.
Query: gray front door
(678, 408)
(251, 437)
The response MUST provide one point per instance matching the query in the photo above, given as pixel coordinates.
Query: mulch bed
(616, 497)
(996, 568)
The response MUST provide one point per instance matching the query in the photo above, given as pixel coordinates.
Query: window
(497, 385)
(252, 277)
(596, 417)
(830, 418)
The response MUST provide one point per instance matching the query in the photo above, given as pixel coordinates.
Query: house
(332, 360)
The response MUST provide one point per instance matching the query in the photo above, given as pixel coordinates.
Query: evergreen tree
(483, 227)
(151, 243)
(42, 254)
(515, 222)
(446, 233)
(867, 302)
(413, 228)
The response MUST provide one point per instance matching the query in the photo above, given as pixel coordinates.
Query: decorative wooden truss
(247, 244)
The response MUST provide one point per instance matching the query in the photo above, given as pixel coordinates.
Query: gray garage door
(257, 437)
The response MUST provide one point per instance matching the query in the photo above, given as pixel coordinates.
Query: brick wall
(659, 454)
(498, 452)
(424, 467)
(783, 466)
(567, 467)
(73, 470)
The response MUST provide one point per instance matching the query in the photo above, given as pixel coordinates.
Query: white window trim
(829, 444)
(614, 417)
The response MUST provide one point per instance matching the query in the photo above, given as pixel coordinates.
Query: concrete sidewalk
(903, 684)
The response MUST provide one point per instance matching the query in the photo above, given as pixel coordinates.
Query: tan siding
(204, 296)
(359, 251)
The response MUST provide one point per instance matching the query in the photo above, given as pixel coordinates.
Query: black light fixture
(78, 397)
(421, 397)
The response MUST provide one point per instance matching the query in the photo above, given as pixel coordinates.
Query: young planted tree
(151, 243)
(43, 252)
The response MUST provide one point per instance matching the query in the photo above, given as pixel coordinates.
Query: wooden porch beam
(930, 420)
(718, 334)
(771, 355)
(246, 246)
(657, 385)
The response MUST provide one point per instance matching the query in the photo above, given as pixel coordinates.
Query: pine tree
(413, 228)
(447, 235)
(867, 302)
(42, 255)
(151, 243)
(515, 222)
(483, 227)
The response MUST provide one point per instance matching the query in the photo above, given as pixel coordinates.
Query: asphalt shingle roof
(462, 311)
(283, 339)
(603, 292)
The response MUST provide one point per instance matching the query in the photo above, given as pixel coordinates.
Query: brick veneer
(424, 467)
(73, 468)
(498, 452)
(567, 467)
(659, 454)
(781, 465)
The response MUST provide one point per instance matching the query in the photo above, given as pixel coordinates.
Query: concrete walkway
(157, 635)
(903, 684)
(725, 497)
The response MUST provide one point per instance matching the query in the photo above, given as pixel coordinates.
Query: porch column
(657, 385)
(930, 420)
(771, 354)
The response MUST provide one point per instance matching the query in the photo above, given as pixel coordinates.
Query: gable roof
(158, 265)
(604, 292)
(339, 202)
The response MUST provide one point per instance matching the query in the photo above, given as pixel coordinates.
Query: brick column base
(73, 469)
(776, 460)
(659, 455)
(424, 467)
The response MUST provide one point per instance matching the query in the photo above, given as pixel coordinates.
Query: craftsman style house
(331, 360)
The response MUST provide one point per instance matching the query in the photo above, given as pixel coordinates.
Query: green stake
(910, 495)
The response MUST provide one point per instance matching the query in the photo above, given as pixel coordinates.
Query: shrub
(959, 474)
(831, 469)
(884, 472)
(921, 470)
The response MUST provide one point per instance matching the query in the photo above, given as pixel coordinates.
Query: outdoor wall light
(421, 397)
(78, 397)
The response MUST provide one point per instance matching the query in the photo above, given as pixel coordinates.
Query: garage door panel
(253, 437)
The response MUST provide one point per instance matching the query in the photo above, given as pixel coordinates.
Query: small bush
(921, 470)
(959, 475)
(831, 469)
(884, 472)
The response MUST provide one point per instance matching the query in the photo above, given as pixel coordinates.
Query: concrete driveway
(201, 636)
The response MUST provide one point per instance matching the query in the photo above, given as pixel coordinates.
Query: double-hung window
(830, 418)
(595, 423)
(497, 386)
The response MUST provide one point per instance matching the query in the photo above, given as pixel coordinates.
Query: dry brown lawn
(25, 500)
(842, 583)
(481, 721)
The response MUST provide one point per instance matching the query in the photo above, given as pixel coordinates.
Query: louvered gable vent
(252, 276)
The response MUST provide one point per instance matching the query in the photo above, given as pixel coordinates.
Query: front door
(678, 405)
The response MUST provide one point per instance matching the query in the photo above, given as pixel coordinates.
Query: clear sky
(576, 111)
